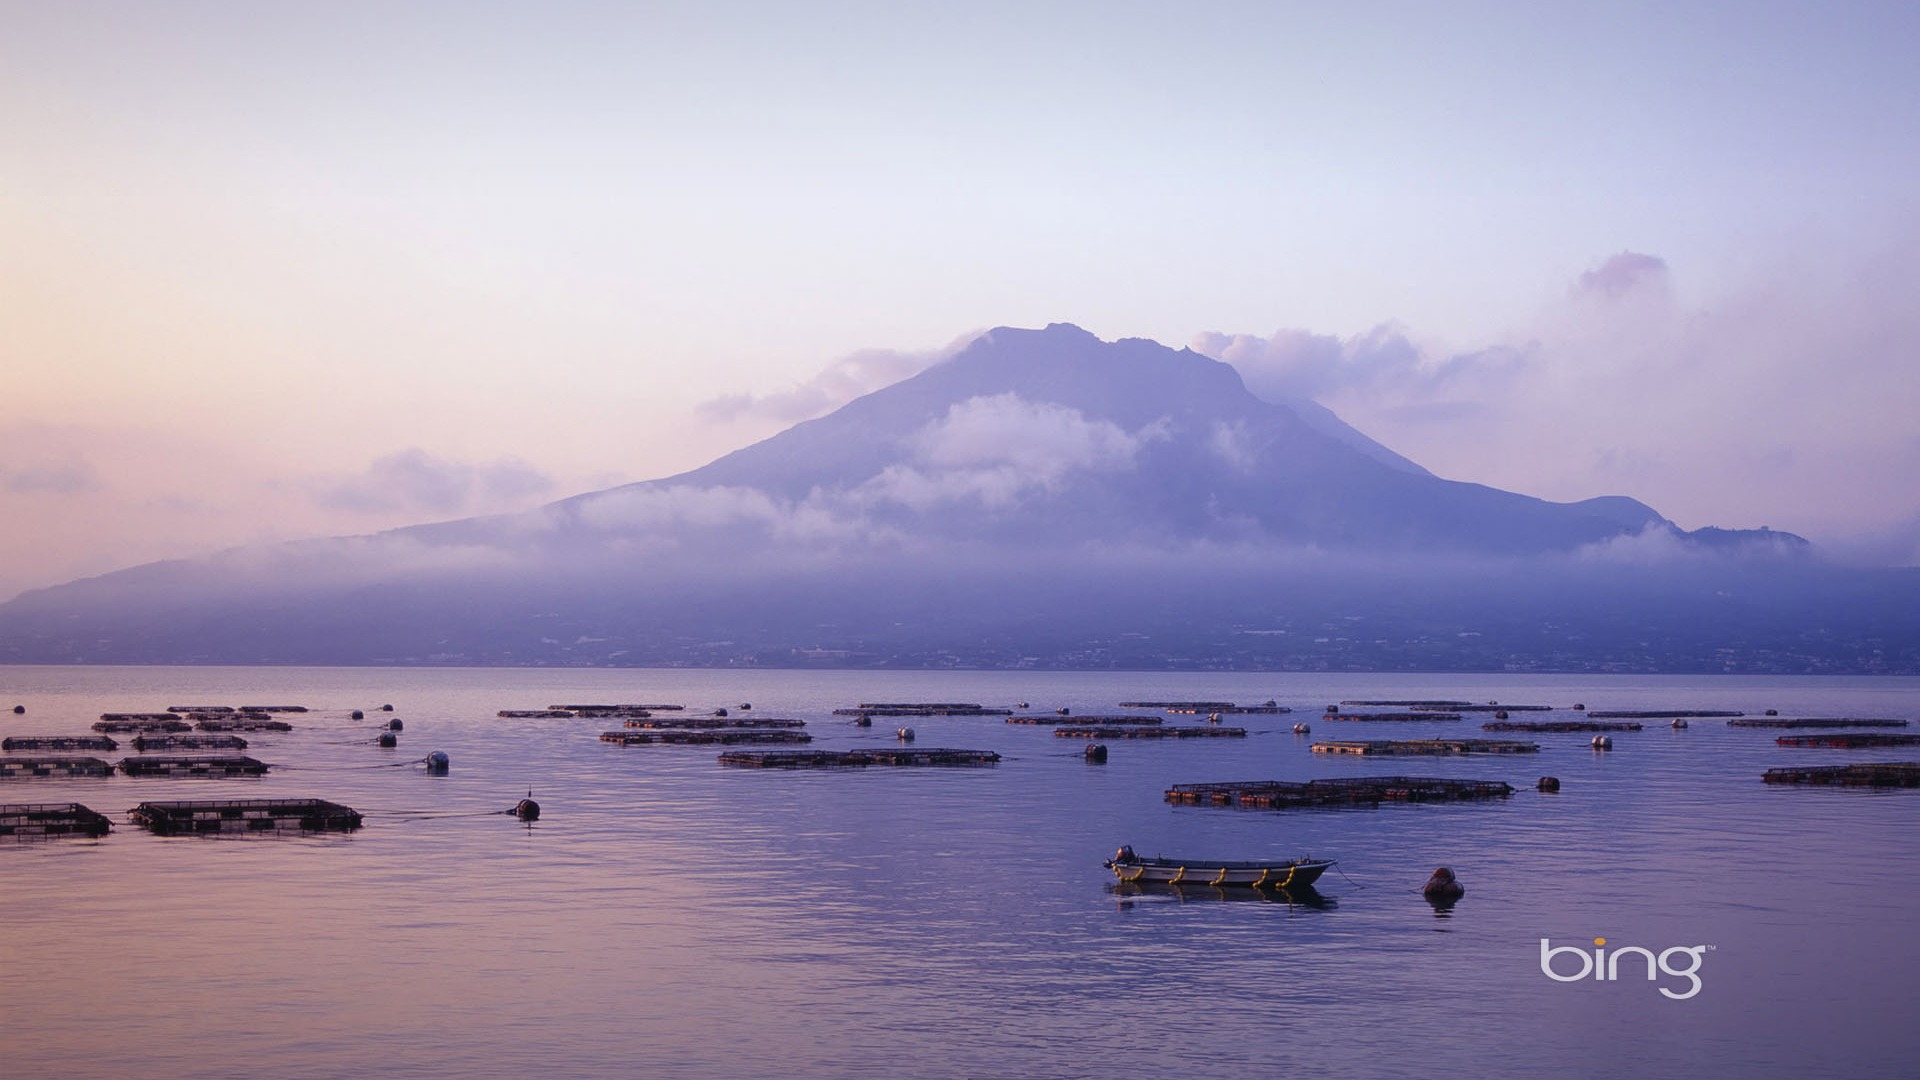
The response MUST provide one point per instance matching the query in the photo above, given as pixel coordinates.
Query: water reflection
(1305, 896)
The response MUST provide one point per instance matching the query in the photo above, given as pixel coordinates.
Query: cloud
(848, 378)
(1625, 273)
(997, 449)
(70, 476)
(1784, 400)
(414, 481)
(1301, 364)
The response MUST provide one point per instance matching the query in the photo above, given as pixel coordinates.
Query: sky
(276, 271)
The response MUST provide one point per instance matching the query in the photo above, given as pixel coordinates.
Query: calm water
(667, 916)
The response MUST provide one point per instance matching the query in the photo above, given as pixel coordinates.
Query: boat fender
(905, 734)
(1443, 886)
(1549, 783)
(437, 763)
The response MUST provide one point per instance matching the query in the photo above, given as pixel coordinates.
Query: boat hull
(1277, 875)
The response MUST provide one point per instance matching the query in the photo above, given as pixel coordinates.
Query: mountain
(1040, 498)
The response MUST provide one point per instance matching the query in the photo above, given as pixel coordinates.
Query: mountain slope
(1038, 490)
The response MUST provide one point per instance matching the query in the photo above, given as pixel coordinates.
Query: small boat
(1283, 874)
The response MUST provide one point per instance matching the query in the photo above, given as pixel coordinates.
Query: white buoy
(1679, 722)
(1602, 742)
(905, 734)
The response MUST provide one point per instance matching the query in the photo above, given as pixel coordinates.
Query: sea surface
(666, 916)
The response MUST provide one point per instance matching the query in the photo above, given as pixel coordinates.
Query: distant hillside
(1038, 492)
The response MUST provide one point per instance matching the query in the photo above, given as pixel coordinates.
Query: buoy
(1773, 712)
(389, 739)
(1602, 742)
(863, 720)
(358, 715)
(1272, 704)
(1500, 714)
(1579, 706)
(1680, 722)
(1302, 729)
(719, 712)
(1443, 886)
(386, 708)
(1063, 712)
(437, 763)
(1022, 705)
(526, 809)
(905, 734)
(1213, 718)
(745, 706)
(395, 725)
(1332, 709)
(1097, 754)
(1549, 783)
(18, 709)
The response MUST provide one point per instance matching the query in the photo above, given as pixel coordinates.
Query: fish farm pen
(1489, 707)
(125, 723)
(1184, 706)
(147, 744)
(1560, 725)
(1086, 721)
(273, 708)
(535, 714)
(691, 723)
(1426, 746)
(199, 708)
(1664, 714)
(691, 737)
(931, 709)
(1351, 791)
(582, 709)
(241, 723)
(1410, 703)
(193, 766)
(1149, 732)
(1397, 717)
(58, 742)
(1869, 774)
(245, 815)
(1226, 710)
(1821, 723)
(20, 768)
(1849, 739)
(854, 759)
(29, 820)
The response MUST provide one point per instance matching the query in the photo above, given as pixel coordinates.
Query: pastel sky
(271, 270)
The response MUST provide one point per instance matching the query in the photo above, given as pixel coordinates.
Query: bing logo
(1601, 965)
